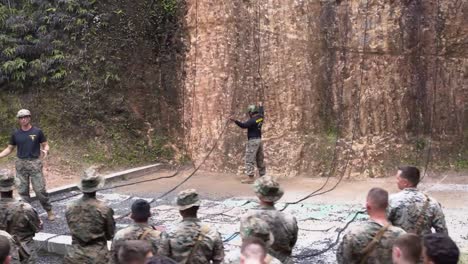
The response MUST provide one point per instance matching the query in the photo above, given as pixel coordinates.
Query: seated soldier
(440, 249)
(134, 252)
(407, 249)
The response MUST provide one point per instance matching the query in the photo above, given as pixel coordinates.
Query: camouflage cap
(253, 226)
(188, 198)
(8, 182)
(23, 112)
(267, 189)
(91, 181)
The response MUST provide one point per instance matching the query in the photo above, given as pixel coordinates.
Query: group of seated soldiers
(399, 229)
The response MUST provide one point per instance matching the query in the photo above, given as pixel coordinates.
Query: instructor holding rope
(254, 147)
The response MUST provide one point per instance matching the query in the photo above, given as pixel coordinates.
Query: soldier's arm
(295, 232)
(113, 252)
(247, 124)
(438, 222)
(110, 224)
(7, 151)
(218, 250)
(165, 246)
(345, 251)
(34, 220)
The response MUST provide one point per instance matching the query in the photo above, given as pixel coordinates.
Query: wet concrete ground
(320, 218)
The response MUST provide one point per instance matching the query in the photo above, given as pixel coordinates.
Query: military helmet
(23, 113)
(252, 109)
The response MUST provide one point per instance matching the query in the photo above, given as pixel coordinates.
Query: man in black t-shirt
(31, 144)
(254, 148)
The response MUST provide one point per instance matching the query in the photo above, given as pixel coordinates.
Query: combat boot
(248, 180)
(50, 215)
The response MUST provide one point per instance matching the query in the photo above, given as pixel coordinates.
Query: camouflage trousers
(31, 170)
(254, 154)
(93, 254)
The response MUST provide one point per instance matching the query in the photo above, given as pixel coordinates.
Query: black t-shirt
(28, 142)
(253, 125)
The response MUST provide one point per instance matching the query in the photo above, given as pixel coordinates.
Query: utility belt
(28, 159)
(255, 138)
(93, 242)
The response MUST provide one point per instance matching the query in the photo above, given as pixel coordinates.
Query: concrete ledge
(110, 178)
(56, 244)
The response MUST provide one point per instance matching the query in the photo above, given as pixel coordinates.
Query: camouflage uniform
(19, 219)
(405, 208)
(91, 223)
(255, 227)
(359, 236)
(135, 232)
(254, 154)
(283, 226)
(192, 237)
(13, 248)
(32, 169)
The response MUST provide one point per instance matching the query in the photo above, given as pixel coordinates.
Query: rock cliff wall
(356, 85)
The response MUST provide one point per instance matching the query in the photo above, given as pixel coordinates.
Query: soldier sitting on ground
(139, 230)
(192, 241)
(5, 249)
(134, 252)
(413, 210)
(18, 218)
(407, 249)
(371, 241)
(440, 249)
(282, 225)
(91, 224)
(14, 258)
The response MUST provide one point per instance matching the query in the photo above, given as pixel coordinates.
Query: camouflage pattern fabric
(183, 238)
(27, 170)
(91, 223)
(359, 236)
(267, 189)
(406, 206)
(254, 154)
(284, 229)
(135, 232)
(22, 222)
(13, 248)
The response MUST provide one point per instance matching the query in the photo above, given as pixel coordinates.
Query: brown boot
(248, 180)
(50, 215)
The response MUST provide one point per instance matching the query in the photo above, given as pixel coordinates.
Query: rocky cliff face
(355, 85)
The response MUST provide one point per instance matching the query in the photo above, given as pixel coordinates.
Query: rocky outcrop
(354, 85)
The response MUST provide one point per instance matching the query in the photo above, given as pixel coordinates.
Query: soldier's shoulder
(398, 231)
(5, 234)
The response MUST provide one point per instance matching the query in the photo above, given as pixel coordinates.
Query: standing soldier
(91, 223)
(139, 230)
(254, 148)
(31, 142)
(192, 242)
(372, 241)
(18, 218)
(413, 210)
(282, 225)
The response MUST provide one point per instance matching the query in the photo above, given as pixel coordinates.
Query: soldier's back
(406, 207)
(284, 228)
(88, 221)
(359, 237)
(194, 239)
(137, 231)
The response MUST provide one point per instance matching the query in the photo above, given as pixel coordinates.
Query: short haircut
(133, 251)
(160, 260)
(410, 173)
(248, 241)
(378, 198)
(410, 247)
(441, 249)
(4, 248)
(141, 210)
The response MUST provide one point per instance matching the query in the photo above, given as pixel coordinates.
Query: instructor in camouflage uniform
(254, 147)
(282, 225)
(372, 241)
(413, 210)
(19, 219)
(31, 143)
(193, 242)
(139, 230)
(91, 223)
